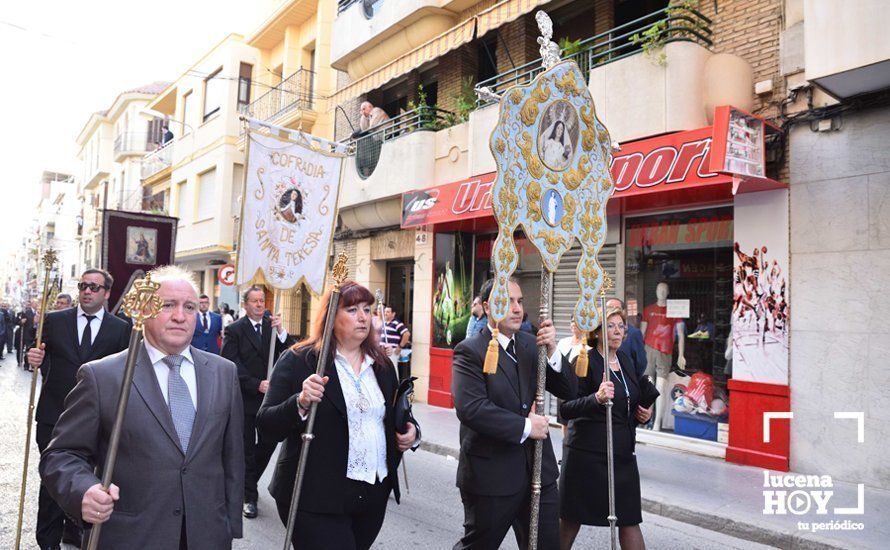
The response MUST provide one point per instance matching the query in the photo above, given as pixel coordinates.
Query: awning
(454, 37)
(504, 12)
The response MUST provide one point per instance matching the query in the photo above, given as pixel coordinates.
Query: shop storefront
(698, 257)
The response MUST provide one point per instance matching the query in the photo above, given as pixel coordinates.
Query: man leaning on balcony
(371, 116)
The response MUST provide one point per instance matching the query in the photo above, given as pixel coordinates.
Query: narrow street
(429, 516)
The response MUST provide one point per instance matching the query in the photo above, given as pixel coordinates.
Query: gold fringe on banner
(491, 356)
(582, 361)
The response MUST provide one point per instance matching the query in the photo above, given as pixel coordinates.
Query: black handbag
(402, 413)
(648, 392)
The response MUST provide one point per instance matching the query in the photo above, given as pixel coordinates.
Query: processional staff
(553, 158)
(339, 276)
(49, 260)
(140, 304)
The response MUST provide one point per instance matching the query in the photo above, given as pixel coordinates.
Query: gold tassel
(581, 362)
(491, 356)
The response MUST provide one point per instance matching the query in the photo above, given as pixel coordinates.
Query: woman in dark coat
(583, 481)
(353, 461)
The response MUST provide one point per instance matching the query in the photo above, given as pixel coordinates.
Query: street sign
(226, 275)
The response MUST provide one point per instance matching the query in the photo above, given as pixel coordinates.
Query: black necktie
(259, 334)
(204, 321)
(86, 340)
(511, 351)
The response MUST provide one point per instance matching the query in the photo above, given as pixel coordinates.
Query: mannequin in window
(658, 337)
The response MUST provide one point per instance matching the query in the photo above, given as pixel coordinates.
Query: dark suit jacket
(207, 341)
(28, 327)
(62, 359)
(158, 483)
(633, 348)
(324, 486)
(251, 357)
(492, 410)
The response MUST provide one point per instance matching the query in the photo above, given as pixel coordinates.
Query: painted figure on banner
(290, 205)
(557, 135)
(142, 245)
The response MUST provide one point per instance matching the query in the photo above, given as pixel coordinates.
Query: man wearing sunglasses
(71, 337)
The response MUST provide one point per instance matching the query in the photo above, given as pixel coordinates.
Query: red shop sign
(671, 162)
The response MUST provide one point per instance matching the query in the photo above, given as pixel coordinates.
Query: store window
(463, 264)
(679, 292)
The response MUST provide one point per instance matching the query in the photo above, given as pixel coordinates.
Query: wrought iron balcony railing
(293, 94)
(342, 5)
(134, 142)
(157, 160)
(671, 24)
(367, 146)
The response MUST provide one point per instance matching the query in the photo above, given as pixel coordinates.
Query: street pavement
(430, 515)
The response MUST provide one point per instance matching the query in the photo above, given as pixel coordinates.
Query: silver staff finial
(549, 50)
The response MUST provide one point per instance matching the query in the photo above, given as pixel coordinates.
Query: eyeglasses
(621, 326)
(92, 286)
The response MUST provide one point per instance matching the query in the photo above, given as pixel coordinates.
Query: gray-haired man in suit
(178, 481)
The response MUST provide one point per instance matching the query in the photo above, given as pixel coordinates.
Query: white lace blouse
(365, 409)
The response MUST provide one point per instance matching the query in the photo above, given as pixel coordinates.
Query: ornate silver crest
(549, 50)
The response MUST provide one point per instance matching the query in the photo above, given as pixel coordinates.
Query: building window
(206, 194)
(244, 75)
(487, 59)
(186, 109)
(237, 185)
(182, 204)
(682, 262)
(214, 90)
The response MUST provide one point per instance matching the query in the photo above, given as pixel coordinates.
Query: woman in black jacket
(583, 481)
(353, 461)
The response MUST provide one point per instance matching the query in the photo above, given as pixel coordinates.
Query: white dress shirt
(162, 371)
(367, 435)
(554, 362)
(281, 335)
(94, 325)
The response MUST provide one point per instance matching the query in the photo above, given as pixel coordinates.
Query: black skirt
(584, 488)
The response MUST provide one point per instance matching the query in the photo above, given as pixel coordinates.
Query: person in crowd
(396, 335)
(63, 301)
(498, 425)
(353, 466)
(207, 328)
(227, 317)
(478, 319)
(570, 346)
(633, 342)
(527, 325)
(26, 331)
(247, 345)
(583, 481)
(7, 316)
(71, 337)
(178, 477)
(371, 116)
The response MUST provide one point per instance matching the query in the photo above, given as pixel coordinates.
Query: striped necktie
(180, 401)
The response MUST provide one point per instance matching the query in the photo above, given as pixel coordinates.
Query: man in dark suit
(26, 332)
(71, 337)
(247, 345)
(498, 426)
(177, 481)
(9, 319)
(207, 328)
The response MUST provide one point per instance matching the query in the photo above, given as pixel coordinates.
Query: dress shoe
(249, 510)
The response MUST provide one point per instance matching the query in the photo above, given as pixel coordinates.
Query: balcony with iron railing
(133, 143)
(392, 158)
(646, 34)
(157, 161)
(289, 100)
(367, 147)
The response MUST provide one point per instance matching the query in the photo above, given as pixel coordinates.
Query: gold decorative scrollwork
(500, 145)
(142, 301)
(533, 163)
(529, 112)
(533, 194)
(573, 177)
(552, 241)
(568, 84)
(516, 96)
(568, 217)
(588, 135)
(552, 177)
(338, 272)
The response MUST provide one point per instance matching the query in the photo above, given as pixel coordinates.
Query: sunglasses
(92, 286)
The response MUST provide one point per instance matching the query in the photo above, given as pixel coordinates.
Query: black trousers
(51, 520)
(257, 452)
(487, 519)
(355, 529)
(10, 338)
